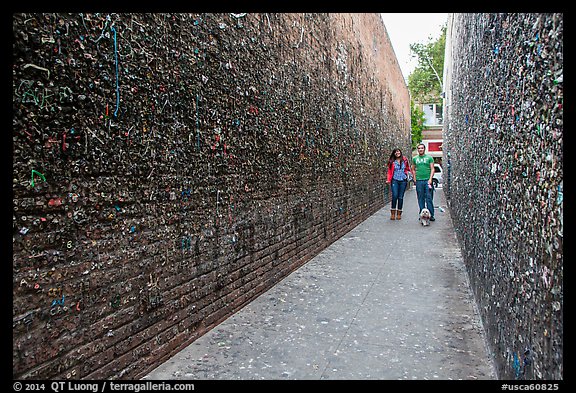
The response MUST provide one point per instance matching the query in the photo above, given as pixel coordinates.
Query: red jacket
(391, 168)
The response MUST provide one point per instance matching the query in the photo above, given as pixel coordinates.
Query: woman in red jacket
(398, 169)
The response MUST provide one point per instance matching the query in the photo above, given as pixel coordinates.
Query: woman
(398, 169)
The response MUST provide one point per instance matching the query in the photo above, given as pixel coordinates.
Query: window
(433, 114)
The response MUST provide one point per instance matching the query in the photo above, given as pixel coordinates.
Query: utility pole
(433, 69)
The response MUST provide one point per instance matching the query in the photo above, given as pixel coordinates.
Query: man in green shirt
(423, 172)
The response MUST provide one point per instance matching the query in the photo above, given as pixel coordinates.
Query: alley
(200, 196)
(389, 300)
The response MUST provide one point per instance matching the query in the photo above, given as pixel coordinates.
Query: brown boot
(392, 214)
(399, 214)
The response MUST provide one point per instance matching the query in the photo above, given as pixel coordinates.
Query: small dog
(425, 217)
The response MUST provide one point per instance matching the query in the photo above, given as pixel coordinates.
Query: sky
(411, 28)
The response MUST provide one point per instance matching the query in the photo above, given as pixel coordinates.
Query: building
(432, 132)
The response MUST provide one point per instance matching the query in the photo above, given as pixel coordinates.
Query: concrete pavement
(388, 301)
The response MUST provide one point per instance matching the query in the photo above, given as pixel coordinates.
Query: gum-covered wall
(169, 168)
(503, 153)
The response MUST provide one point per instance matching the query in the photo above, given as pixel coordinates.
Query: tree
(417, 123)
(425, 82)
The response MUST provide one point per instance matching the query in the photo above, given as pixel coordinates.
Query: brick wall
(503, 154)
(169, 168)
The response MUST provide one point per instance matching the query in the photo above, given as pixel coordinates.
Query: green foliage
(417, 123)
(425, 82)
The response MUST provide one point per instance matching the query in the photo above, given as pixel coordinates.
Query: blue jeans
(424, 195)
(398, 189)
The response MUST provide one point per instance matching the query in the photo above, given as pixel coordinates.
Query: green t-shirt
(422, 164)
